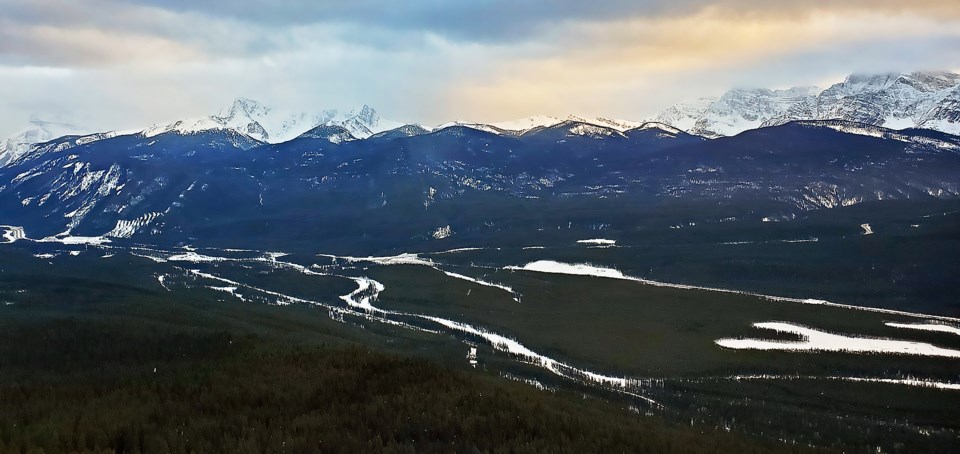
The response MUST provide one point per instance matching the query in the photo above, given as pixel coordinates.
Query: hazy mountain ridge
(39, 130)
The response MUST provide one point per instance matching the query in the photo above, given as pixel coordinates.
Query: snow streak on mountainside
(929, 100)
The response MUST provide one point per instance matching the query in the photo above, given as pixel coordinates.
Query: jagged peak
(364, 112)
(244, 106)
(895, 100)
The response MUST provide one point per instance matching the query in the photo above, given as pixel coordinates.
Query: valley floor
(582, 341)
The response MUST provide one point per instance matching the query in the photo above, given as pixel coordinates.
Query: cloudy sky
(112, 64)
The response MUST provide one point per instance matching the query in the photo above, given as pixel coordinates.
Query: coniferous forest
(81, 380)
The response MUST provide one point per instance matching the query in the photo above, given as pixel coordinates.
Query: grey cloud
(242, 28)
(473, 21)
(498, 21)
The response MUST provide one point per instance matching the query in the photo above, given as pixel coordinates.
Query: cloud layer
(126, 64)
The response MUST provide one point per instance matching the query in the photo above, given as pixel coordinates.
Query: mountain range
(220, 187)
(927, 100)
(244, 116)
(250, 175)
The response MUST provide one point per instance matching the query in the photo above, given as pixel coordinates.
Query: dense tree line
(83, 386)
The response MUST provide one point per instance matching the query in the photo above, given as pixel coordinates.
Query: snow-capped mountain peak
(366, 114)
(39, 130)
(271, 125)
(926, 99)
(522, 125)
(246, 107)
(362, 122)
(894, 100)
(528, 123)
(619, 125)
(592, 130)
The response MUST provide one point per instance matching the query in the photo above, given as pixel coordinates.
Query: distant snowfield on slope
(819, 341)
(898, 123)
(937, 327)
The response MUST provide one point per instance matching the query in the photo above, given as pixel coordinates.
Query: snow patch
(442, 232)
(580, 269)
(126, 229)
(598, 242)
(400, 259)
(12, 233)
(484, 283)
(820, 341)
(366, 293)
(937, 327)
(66, 238)
(194, 257)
